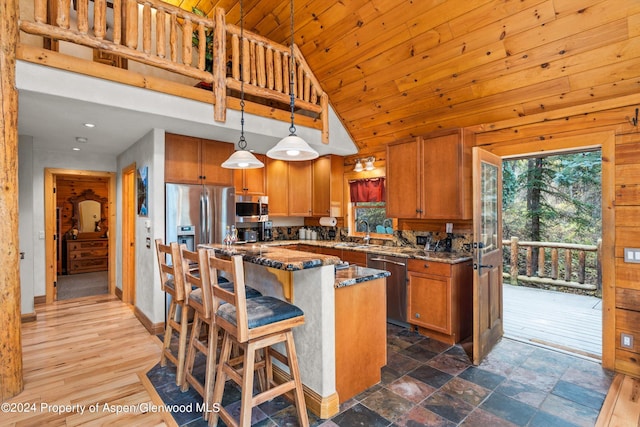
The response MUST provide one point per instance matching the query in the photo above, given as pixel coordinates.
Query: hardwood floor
(86, 353)
(91, 352)
(621, 408)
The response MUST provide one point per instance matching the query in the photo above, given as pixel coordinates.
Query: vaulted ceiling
(400, 68)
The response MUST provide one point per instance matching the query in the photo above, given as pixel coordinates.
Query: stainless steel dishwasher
(396, 285)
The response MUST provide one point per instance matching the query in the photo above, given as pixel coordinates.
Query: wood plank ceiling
(400, 68)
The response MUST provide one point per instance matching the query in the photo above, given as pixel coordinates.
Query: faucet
(367, 237)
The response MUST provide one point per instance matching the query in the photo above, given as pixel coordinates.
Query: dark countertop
(355, 274)
(399, 251)
(275, 257)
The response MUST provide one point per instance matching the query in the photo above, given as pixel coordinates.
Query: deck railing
(155, 33)
(579, 266)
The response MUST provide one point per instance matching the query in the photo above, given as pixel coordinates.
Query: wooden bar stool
(254, 324)
(172, 281)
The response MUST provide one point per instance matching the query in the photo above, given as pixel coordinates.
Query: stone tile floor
(428, 383)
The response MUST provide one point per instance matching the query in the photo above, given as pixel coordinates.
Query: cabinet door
(300, 188)
(277, 184)
(213, 153)
(429, 302)
(328, 172)
(182, 159)
(442, 180)
(251, 181)
(403, 185)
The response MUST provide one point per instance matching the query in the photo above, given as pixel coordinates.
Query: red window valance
(367, 190)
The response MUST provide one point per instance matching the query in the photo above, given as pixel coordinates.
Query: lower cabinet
(440, 299)
(87, 255)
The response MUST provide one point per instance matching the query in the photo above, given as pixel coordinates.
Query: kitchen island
(345, 318)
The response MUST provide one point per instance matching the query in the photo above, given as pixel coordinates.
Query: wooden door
(403, 180)
(487, 236)
(129, 234)
(300, 188)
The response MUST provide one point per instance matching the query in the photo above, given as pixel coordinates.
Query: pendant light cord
(292, 128)
(242, 143)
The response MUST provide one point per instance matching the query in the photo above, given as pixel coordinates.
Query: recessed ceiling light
(89, 125)
(75, 149)
(81, 139)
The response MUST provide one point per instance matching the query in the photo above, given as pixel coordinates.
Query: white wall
(148, 151)
(55, 159)
(26, 227)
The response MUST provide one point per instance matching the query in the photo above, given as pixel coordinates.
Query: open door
(129, 234)
(487, 243)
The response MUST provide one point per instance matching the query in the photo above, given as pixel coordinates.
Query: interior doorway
(77, 238)
(129, 234)
(552, 222)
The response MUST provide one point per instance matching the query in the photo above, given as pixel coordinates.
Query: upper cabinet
(430, 177)
(289, 187)
(191, 160)
(328, 175)
(251, 182)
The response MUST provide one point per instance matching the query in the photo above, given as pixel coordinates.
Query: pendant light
(292, 147)
(242, 158)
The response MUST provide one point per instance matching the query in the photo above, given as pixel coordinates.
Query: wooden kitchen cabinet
(440, 299)
(251, 182)
(430, 177)
(328, 174)
(289, 186)
(190, 160)
(354, 257)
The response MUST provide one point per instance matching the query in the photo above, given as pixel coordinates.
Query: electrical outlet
(626, 340)
(421, 240)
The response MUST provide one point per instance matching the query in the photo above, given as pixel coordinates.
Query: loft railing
(158, 34)
(559, 264)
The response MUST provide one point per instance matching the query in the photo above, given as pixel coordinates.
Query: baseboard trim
(153, 328)
(40, 299)
(118, 293)
(28, 317)
(323, 407)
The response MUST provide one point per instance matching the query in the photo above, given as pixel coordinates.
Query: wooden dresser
(86, 255)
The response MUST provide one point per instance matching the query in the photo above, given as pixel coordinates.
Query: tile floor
(428, 383)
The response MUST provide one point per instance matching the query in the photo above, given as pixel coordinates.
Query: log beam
(11, 379)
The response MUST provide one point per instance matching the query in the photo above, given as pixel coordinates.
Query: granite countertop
(355, 274)
(275, 257)
(399, 251)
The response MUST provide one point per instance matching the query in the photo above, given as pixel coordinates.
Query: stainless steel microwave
(252, 208)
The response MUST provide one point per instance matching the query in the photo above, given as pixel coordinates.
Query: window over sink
(367, 210)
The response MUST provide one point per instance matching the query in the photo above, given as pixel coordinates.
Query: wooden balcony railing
(579, 267)
(158, 34)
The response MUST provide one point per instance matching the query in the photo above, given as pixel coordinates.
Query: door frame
(129, 234)
(605, 141)
(50, 175)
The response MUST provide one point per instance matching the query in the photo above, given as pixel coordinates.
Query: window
(368, 213)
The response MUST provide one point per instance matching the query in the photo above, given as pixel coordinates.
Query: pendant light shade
(242, 158)
(292, 147)
(358, 166)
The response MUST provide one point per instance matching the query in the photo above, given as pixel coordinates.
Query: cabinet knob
(426, 266)
(417, 315)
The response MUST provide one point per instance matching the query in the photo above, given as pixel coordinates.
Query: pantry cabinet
(440, 299)
(190, 160)
(429, 177)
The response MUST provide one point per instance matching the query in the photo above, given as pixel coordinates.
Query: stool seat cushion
(196, 294)
(261, 311)
(171, 284)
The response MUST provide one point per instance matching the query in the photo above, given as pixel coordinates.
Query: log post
(541, 261)
(220, 67)
(513, 268)
(11, 380)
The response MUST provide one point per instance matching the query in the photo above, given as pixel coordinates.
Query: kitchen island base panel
(361, 336)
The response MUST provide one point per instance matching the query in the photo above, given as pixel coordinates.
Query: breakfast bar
(344, 311)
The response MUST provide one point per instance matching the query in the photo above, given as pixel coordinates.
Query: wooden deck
(565, 322)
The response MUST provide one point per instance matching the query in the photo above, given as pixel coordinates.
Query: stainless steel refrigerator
(196, 214)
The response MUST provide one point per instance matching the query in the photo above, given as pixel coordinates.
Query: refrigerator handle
(203, 217)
